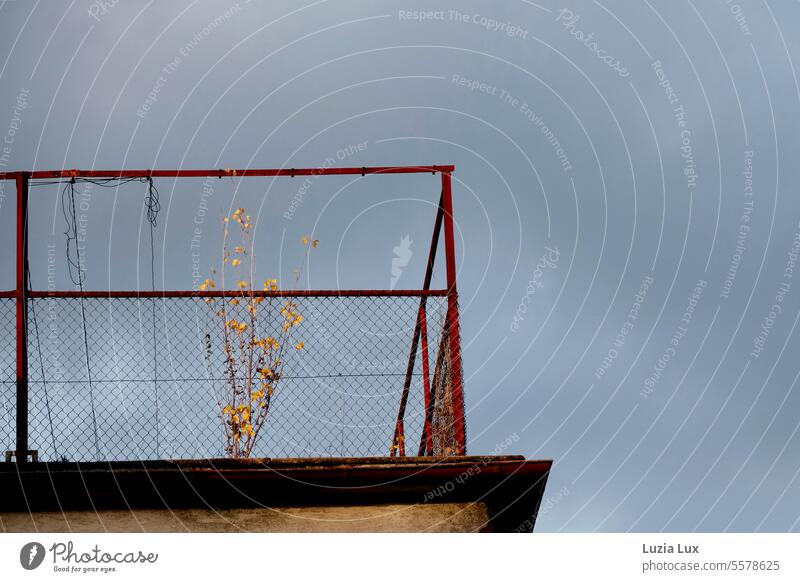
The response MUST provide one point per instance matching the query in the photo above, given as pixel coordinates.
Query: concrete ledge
(439, 517)
(356, 494)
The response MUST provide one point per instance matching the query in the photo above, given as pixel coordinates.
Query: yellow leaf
(300, 346)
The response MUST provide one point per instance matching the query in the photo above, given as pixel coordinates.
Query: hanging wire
(152, 203)
(68, 208)
(41, 362)
(153, 206)
(78, 276)
(103, 182)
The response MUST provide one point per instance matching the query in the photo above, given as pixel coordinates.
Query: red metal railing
(442, 386)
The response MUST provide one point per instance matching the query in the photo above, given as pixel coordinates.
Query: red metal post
(452, 315)
(398, 442)
(22, 318)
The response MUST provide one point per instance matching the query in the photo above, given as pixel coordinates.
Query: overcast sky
(625, 196)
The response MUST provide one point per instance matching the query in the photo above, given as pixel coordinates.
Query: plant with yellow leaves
(254, 337)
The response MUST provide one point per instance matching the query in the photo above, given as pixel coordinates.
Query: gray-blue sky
(560, 142)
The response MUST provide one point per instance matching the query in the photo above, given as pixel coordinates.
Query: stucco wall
(440, 517)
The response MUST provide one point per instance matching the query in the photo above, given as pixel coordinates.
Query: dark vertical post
(22, 318)
(452, 316)
(398, 442)
(427, 438)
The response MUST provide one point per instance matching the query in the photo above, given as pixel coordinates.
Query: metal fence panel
(128, 378)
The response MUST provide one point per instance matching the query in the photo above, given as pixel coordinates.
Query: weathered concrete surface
(332, 494)
(438, 517)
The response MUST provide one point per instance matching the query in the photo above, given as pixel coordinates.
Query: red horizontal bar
(220, 173)
(232, 293)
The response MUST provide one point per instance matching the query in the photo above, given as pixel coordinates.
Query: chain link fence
(8, 373)
(139, 378)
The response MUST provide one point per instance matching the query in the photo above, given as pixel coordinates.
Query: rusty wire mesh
(134, 384)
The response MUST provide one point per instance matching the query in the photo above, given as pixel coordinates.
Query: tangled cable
(78, 276)
(152, 203)
(76, 273)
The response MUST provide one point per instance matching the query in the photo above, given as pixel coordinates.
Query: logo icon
(31, 555)
(402, 255)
